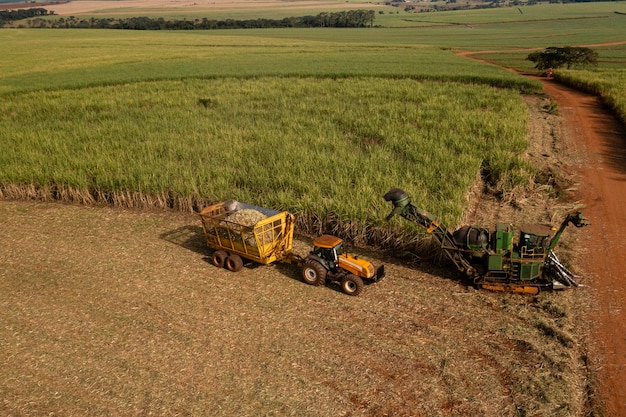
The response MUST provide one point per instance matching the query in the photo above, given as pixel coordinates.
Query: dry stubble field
(108, 311)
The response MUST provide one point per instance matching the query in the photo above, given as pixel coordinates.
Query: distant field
(78, 58)
(208, 8)
(389, 15)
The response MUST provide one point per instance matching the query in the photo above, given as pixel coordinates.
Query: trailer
(235, 237)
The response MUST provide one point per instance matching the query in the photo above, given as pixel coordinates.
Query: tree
(556, 57)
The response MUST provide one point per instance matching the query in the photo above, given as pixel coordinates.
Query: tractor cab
(328, 248)
(328, 262)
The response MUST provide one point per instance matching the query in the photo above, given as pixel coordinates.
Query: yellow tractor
(327, 262)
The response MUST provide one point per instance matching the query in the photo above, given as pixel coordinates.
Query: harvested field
(112, 312)
(15, 6)
(86, 7)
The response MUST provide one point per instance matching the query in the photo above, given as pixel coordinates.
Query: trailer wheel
(352, 285)
(314, 273)
(234, 263)
(218, 258)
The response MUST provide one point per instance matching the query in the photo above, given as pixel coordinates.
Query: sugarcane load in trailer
(492, 259)
(238, 231)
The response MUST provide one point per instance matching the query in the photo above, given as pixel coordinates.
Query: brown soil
(16, 6)
(89, 7)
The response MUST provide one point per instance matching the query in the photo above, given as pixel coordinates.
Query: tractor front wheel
(314, 273)
(218, 258)
(352, 285)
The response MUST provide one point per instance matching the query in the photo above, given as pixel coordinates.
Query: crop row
(313, 146)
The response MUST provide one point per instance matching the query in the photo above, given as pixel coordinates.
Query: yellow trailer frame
(269, 240)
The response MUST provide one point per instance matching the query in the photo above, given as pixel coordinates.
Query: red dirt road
(593, 132)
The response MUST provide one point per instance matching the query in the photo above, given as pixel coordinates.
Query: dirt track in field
(595, 133)
(599, 140)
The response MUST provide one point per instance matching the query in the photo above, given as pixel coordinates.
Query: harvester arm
(403, 207)
(553, 267)
(557, 271)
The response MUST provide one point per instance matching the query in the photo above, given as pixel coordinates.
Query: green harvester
(493, 259)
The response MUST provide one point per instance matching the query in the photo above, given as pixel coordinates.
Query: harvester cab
(533, 239)
(492, 258)
(328, 262)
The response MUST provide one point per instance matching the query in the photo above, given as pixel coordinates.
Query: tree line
(7, 16)
(342, 19)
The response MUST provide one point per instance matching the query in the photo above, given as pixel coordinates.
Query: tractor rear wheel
(314, 273)
(218, 258)
(234, 263)
(352, 285)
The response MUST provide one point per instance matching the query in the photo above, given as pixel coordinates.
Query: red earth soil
(593, 131)
(590, 128)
